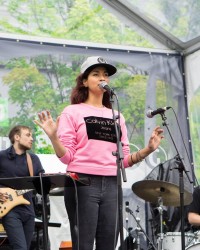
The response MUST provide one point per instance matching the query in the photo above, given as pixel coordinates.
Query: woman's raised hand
(155, 139)
(47, 123)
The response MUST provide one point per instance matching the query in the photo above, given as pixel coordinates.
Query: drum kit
(166, 194)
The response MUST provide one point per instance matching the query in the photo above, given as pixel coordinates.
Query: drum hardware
(163, 193)
(194, 242)
(195, 246)
(152, 229)
(180, 166)
(160, 210)
(139, 229)
(172, 241)
(59, 191)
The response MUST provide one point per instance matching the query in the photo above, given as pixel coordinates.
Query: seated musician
(194, 208)
(18, 220)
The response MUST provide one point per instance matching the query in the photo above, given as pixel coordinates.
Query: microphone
(104, 85)
(150, 113)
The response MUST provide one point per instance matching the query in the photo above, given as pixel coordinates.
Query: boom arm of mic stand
(181, 168)
(177, 158)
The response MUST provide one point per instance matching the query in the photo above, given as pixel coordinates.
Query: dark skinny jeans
(97, 213)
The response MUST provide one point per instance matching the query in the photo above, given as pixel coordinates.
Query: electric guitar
(15, 198)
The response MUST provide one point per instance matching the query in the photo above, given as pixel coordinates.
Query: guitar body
(14, 199)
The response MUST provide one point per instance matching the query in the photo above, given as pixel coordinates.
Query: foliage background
(31, 79)
(45, 81)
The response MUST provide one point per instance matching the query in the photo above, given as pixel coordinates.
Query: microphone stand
(120, 165)
(160, 210)
(139, 228)
(181, 169)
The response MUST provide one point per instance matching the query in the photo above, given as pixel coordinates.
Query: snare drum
(172, 241)
(195, 246)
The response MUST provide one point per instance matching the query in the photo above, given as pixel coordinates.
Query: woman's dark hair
(80, 92)
(16, 131)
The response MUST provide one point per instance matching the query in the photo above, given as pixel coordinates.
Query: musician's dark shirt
(14, 165)
(194, 207)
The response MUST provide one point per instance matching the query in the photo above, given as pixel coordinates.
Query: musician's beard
(23, 147)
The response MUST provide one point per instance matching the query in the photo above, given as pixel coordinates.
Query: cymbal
(151, 190)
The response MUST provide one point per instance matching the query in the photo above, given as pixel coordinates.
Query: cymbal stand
(139, 229)
(160, 210)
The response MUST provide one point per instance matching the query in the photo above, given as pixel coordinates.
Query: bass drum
(195, 246)
(172, 240)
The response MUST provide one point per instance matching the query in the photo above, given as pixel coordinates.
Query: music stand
(42, 184)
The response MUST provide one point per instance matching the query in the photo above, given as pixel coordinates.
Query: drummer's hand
(47, 123)
(3, 197)
(155, 139)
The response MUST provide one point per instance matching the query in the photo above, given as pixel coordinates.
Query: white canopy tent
(158, 64)
(174, 61)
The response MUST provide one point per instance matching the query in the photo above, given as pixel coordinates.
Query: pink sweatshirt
(89, 135)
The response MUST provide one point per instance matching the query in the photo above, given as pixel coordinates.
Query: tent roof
(167, 24)
(174, 24)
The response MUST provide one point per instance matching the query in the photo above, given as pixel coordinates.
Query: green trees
(42, 83)
(45, 82)
(83, 20)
